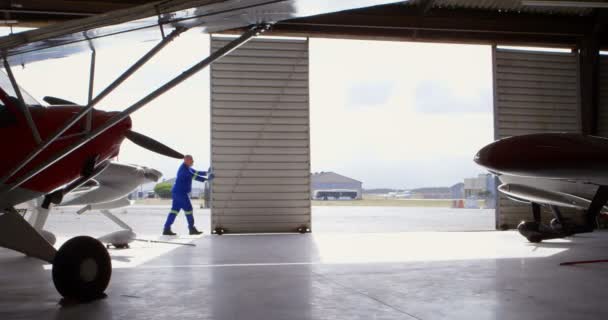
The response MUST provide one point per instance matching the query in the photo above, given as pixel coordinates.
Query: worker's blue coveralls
(180, 191)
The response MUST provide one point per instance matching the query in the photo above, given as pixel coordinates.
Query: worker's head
(188, 160)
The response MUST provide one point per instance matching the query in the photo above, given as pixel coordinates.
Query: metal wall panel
(534, 92)
(602, 114)
(260, 140)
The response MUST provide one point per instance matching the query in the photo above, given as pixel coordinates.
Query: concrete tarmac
(339, 271)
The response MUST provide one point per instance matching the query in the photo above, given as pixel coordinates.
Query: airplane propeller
(135, 137)
(152, 145)
(57, 101)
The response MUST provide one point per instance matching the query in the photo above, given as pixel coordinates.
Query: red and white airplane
(52, 151)
(52, 181)
(553, 170)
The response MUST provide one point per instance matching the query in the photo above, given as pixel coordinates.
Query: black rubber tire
(68, 269)
(530, 230)
(555, 225)
(535, 239)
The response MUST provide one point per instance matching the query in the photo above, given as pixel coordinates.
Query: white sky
(389, 114)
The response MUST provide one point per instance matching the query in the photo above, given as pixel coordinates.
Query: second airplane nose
(484, 156)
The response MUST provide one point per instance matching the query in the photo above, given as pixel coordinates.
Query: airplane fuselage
(18, 142)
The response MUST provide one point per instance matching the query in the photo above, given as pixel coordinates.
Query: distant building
(483, 185)
(325, 185)
(457, 191)
(431, 193)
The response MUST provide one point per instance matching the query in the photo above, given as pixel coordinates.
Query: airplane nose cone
(499, 156)
(485, 156)
(127, 123)
(529, 155)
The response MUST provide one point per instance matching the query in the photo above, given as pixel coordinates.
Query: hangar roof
(48, 10)
(331, 177)
(559, 23)
(506, 22)
(503, 5)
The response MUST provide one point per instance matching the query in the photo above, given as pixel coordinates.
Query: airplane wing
(148, 22)
(116, 181)
(86, 187)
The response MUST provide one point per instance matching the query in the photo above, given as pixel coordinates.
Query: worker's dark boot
(194, 232)
(168, 232)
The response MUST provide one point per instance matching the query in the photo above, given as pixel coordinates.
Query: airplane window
(5, 84)
(7, 118)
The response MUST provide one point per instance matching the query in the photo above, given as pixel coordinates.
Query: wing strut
(115, 84)
(89, 120)
(254, 31)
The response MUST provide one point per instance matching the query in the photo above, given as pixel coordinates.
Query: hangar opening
(399, 132)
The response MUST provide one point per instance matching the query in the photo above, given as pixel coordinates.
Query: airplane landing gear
(530, 230)
(82, 269)
(535, 231)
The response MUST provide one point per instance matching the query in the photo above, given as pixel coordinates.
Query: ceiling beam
(40, 13)
(453, 20)
(84, 6)
(445, 25)
(439, 36)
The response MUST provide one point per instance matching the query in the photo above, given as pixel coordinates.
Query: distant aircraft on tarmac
(400, 194)
(555, 170)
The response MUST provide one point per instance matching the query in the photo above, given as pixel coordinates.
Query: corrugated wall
(260, 137)
(534, 92)
(602, 115)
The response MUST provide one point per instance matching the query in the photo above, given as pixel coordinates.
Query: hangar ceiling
(36, 13)
(462, 21)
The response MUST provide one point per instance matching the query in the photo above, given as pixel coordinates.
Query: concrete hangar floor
(338, 272)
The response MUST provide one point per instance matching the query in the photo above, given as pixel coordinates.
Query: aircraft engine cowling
(544, 197)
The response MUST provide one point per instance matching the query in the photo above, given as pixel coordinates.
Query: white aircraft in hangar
(553, 170)
(107, 191)
(58, 149)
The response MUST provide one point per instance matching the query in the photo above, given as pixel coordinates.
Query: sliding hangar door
(260, 137)
(260, 141)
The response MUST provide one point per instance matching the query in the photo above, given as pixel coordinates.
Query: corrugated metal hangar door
(534, 92)
(602, 114)
(260, 137)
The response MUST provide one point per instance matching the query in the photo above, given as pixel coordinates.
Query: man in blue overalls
(181, 199)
